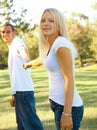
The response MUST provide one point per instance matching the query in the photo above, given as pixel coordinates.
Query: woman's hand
(66, 123)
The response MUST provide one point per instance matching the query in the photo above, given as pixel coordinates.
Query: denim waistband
(20, 92)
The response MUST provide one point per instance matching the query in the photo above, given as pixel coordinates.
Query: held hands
(66, 122)
(34, 63)
(26, 65)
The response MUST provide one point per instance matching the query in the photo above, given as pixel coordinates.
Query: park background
(83, 33)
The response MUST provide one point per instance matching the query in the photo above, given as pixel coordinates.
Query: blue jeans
(26, 116)
(77, 114)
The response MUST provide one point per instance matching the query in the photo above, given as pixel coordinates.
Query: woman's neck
(51, 40)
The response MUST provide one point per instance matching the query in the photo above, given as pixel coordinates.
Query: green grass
(86, 82)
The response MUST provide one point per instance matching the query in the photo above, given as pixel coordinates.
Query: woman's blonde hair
(60, 26)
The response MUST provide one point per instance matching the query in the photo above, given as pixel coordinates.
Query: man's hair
(8, 24)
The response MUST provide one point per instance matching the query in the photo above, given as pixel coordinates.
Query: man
(21, 81)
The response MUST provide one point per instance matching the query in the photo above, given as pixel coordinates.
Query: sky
(36, 7)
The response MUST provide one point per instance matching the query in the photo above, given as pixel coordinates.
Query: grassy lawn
(86, 82)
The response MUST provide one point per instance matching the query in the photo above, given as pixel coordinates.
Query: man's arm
(23, 51)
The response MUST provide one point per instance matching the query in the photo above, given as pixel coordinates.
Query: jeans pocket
(52, 105)
(55, 106)
(77, 115)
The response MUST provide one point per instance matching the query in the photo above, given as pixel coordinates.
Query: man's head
(8, 33)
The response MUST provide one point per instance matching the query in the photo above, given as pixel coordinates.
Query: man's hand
(12, 101)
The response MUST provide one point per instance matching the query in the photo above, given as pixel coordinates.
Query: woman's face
(48, 25)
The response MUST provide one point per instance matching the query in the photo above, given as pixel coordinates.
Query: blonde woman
(58, 55)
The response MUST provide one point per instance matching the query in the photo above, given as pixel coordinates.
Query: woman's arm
(65, 61)
(35, 62)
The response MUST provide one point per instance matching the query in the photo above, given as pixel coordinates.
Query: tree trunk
(81, 61)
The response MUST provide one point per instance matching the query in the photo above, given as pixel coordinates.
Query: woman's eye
(47, 20)
(43, 20)
(51, 20)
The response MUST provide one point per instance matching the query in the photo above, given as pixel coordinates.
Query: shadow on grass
(5, 95)
(88, 92)
(89, 124)
(49, 125)
(8, 129)
(4, 80)
(4, 76)
(82, 76)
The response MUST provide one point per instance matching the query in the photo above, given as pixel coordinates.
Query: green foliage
(3, 55)
(81, 36)
(31, 40)
(9, 15)
(82, 42)
(94, 43)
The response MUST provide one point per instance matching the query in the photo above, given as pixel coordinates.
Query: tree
(31, 40)
(81, 36)
(9, 15)
(82, 40)
(94, 26)
(3, 54)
